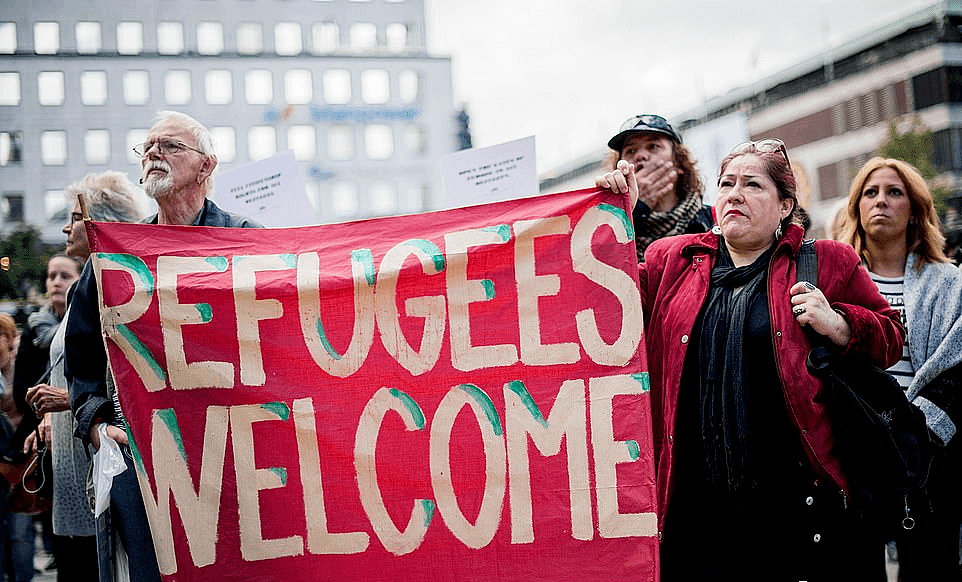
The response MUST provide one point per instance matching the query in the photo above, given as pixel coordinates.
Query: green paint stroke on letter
(142, 350)
(289, 259)
(278, 408)
(326, 342)
(170, 419)
(620, 214)
(633, 449)
(280, 472)
(503, 230)
(205, 310)
(366, 260)
(135, 264)
(642, 378)
(485, 401)
(411, 406)
(219, 263)
(428, 506)
(429, 248)
(488, 285)
(518, 387)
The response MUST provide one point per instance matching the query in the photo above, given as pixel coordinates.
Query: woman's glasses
(765, 146)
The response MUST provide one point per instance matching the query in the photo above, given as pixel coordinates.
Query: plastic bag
(108, 462)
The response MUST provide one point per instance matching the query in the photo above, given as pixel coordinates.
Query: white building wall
(398, 131)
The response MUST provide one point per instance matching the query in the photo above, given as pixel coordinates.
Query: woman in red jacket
(749, 485)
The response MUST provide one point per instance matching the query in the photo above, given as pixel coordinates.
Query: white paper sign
(270, 191)
(490, 174)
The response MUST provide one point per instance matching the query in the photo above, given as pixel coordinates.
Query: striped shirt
(893, 291)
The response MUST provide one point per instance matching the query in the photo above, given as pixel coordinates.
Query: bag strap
(806, 267)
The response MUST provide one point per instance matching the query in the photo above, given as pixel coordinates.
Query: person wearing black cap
(670, 187)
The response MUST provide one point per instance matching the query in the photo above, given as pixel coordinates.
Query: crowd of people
(750, 482)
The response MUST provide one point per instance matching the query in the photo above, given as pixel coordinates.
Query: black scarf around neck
(722, 365)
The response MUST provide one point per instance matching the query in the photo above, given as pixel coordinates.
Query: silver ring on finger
(798, 310)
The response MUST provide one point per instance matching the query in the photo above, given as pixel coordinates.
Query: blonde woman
(892, 224)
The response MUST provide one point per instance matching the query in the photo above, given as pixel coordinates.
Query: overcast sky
(570, 71)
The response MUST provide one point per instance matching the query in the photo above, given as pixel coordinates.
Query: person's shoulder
(836, 250)
(217, 216)
(672, 245)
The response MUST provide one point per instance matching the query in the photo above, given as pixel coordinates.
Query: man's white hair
(201, 134)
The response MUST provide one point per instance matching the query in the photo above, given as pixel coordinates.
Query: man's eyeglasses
(765, 146)
(648, 120)
(165, 147)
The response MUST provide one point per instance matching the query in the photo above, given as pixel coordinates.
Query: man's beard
(158, 187)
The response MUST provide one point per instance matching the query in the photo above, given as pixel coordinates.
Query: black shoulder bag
(882, 438)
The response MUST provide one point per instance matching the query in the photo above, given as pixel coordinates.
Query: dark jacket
(85, 359)
(674, 285)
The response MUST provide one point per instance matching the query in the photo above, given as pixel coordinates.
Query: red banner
(455, 395)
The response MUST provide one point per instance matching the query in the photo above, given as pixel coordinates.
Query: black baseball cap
(647, 123)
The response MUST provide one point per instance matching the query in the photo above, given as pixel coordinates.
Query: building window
(415, 197)
(88, 37)
(46, 38)
(375, 86)
(135, 137)
(11, 148)
(250, 38)
(337, 86)
(13, 207)
(97, 146)
(396, 36)
(297, 86)
(301, 139)
(9, 88)
(8, 38)
(363, 36)
(136, 87)
(408, 86)
(415, 140)
(50, 87)
(378, 141)
(53, 148)
(325, 37)
(54, 203)
(287, 38)
(929, 88)
(210, 38)
(170, 38)
(340, 142)
(177, 87)
(259, 86)
(261, 142)
(224, 143)
(344, 199)
(130, 38)
(383, 199)
(93, 87)
(217, 87)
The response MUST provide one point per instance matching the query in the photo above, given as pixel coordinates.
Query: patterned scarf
(661, 224)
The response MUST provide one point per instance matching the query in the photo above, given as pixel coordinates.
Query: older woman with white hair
(108, 197)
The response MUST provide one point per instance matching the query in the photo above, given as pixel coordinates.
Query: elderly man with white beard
(177, 163)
